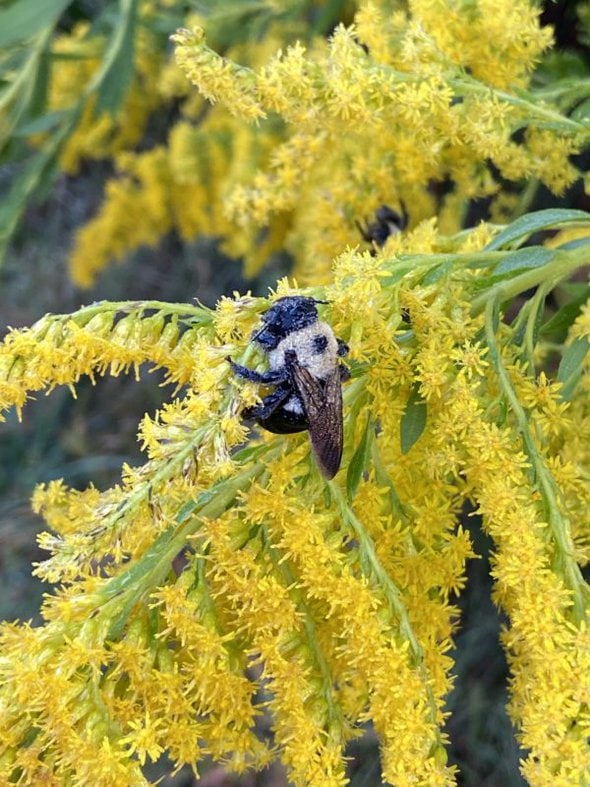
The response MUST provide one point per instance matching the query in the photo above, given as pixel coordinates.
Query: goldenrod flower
(306, 138)
(330, 607)
(223, 600)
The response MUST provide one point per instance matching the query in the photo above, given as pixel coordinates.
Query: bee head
(285, 316)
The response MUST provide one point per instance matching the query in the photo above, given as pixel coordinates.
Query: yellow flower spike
(391, 103)
(270, 620)
(218, 582)
(533, 596)
(216, 77)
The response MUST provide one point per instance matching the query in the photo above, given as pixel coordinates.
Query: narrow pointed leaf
(358, 463)
(570, 368)
(525, 226)
(24, 19)
(413, 420)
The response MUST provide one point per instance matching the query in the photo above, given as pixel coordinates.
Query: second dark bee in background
(387, 222)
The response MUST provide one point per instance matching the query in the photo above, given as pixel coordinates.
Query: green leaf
(530, 257)
(524, 226)
(413, 420)
(25, 18)
(41, 124)
(582, 110)
(385, 481)
(395, 277)
(513, 263)
(250, 453)
(41, 81)
(575, 244)
(573, 289)
(438, 272)
(570, 367)
(358, 463)
(495, 315)
(26, 95)
(328, 15)
(35, 174)
(116, 71)
(558, 325)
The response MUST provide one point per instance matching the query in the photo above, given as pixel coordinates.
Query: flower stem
(558, 525)
(533, 108)
(392, 594)
(121, 593)
(561, 265)
(197, 313)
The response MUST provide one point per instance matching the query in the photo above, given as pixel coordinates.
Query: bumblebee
(387, 222)
(304, 368)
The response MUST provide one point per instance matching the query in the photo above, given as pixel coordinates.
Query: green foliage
(413, 420)
(26, 71)
(22, 20)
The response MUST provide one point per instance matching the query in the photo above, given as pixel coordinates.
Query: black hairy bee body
(387, 222)
(303, 356)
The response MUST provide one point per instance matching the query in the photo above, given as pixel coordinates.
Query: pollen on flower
(471, 359)
(215, 77)
(581, 326)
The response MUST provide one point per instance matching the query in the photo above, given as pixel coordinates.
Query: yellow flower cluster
(382, 111)
(225, 601)
(537, 581)
(180, 187)
(305, 140)
(115, 337)
(97, 135)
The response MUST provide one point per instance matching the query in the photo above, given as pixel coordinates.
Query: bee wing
(323, 407)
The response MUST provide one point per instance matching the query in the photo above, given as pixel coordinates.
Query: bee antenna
(315, 300)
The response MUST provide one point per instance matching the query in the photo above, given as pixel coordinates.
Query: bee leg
(266, 378)
(342, 348)
(269, 404)
(290, 363)
(290, 358)
(363, 231)
(344, 372)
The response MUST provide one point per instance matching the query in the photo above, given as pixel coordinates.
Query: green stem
(392, 594)
(203, 314)
(532, 326)
(142, 490)
(527, 197)
(573, 89)
(534, 110)
(383, 479)
(558, 525)
(561, 265)
(335, 718)
(474, 259)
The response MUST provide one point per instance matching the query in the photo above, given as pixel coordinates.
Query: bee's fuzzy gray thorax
(315, 346)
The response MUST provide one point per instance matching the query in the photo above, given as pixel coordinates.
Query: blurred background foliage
(93, 106)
